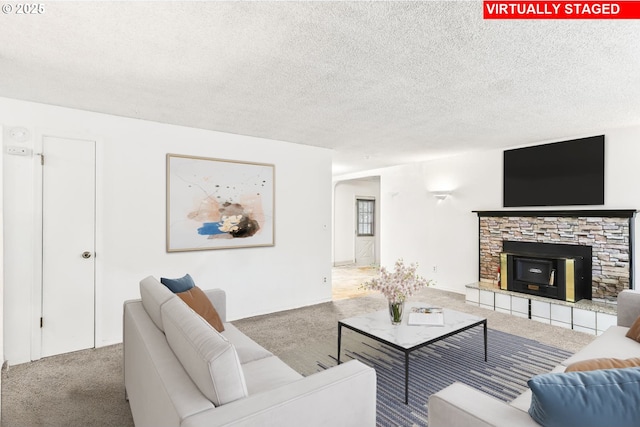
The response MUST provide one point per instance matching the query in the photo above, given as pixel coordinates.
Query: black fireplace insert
(550, 270)
(535, 270)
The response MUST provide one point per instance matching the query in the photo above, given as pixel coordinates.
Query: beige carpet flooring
(86, 388)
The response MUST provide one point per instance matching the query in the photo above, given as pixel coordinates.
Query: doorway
(67, 287)
(365, 240)
(356, 222)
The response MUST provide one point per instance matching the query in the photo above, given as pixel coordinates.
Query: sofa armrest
(218, 298)
(344, 395)
(462, 406)
(628, 307)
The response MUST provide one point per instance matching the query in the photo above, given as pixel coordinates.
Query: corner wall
(442, 236)
(130, 233)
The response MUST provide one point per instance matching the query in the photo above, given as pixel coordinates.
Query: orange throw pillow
(634, 330)
(200, 303)
(603, 363)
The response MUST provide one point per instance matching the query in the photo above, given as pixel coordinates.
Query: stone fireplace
(607, 233)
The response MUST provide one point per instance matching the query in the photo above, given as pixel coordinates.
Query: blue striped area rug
(512, 360)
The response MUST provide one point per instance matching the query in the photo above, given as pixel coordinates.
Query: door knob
(86, 255)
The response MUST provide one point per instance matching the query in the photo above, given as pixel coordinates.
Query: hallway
(346, 281)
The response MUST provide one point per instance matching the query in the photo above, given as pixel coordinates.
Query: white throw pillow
(210, 360)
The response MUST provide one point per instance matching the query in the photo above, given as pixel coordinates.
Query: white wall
(131, 220)
(344, 219)
(444, 234)
(1, 262)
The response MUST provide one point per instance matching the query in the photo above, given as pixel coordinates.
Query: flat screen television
(558, 174)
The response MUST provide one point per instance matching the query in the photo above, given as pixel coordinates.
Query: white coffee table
(407, 338)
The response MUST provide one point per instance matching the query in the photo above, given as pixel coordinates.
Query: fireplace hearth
(557, 271)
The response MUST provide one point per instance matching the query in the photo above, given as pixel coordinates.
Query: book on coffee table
(429, 316)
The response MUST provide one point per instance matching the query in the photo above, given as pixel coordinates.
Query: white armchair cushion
(209, 359)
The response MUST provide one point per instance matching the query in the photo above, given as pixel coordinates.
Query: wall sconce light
(441, 195)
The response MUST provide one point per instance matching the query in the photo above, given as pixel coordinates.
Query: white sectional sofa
(179, 371)
(462, 406)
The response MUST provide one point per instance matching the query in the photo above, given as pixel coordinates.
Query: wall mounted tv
(557, 174)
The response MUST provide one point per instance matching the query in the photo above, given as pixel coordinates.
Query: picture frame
(218, 204)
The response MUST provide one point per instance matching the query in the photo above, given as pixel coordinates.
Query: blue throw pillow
(176, 286)
(607, 397)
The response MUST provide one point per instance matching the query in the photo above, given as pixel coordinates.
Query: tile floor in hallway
(346, 280)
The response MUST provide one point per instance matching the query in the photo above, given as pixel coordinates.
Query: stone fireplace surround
(609, 232)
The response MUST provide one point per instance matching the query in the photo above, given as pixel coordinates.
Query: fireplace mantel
(606, 213)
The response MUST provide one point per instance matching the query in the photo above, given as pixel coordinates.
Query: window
(366, 209)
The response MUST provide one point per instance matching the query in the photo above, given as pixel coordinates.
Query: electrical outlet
(435, 268)
(324, 280)
(17, 151)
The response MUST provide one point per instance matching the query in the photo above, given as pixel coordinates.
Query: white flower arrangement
(396, 286)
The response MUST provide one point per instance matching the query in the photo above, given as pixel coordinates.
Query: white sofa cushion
(247, 349)
(523, 401)
(267, 374)
(628, 307)
(611, 344)
(154, 294)
(209, 359)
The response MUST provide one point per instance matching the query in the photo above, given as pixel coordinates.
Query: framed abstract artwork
(218, 204)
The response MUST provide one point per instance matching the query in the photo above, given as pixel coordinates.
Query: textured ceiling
(381, 83)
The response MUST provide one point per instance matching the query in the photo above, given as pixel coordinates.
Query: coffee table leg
(406, 378)
(485, 340)
(340, 340)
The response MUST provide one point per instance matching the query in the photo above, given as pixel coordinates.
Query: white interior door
(68, 245)
(365, 240)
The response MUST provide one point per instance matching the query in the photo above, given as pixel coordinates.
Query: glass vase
(396, 309)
